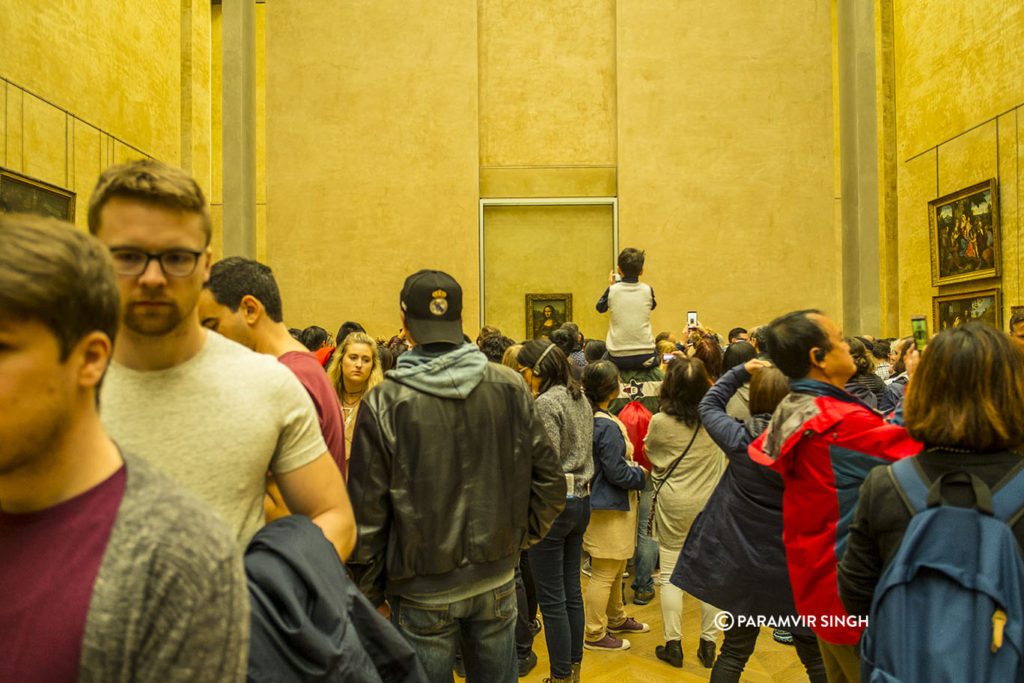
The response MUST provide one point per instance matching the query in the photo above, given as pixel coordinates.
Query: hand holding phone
(919, 328)
(691, 319)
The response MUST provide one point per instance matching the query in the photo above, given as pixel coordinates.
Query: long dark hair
(686, 382)
(548, 362)
(600, 379)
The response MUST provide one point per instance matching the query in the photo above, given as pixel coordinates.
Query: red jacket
(823, 442)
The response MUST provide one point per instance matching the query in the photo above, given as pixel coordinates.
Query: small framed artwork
(546, 313)
(19, 194)
(964, 233)
(951, 310)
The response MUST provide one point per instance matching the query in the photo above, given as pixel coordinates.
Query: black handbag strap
(672, 467)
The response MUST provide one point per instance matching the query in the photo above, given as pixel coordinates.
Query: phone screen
(919, 328)
(667, 358)
(691, 318)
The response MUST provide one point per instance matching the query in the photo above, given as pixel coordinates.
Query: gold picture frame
(964, 231)
(950, 310)
(21, 194)
(546, 313)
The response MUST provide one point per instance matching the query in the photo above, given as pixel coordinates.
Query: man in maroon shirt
(109, 572)
(242, 302)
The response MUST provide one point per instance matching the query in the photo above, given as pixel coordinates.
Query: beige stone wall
(372, 154)
(85, 87)
(958, 92)
(713, 126)
(726, 157)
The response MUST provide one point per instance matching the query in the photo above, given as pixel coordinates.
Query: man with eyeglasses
(209, 413)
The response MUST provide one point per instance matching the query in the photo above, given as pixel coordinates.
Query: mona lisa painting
(546, 313)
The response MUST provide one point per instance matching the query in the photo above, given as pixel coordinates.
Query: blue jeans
(483, 624)
(555, 563)
(646, 555)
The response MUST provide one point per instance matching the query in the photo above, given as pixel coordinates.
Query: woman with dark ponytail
(555, 561)
(614, 498)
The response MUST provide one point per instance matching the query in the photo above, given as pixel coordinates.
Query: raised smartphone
(691, 319)
(919, 328)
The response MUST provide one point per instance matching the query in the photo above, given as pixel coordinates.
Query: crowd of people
(191, 490)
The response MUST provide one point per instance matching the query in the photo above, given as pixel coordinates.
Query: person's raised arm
(729, 433)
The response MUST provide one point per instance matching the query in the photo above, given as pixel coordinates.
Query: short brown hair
(52, 273)
(151, 181)
(968, 391)
(768, 387)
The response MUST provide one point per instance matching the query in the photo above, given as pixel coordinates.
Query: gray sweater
(170, 601)
(570, 426)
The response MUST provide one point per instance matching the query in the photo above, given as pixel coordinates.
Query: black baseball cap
(432, 303)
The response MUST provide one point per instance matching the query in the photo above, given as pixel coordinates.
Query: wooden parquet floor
(771, 662)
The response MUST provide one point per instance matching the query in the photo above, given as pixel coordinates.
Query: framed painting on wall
(19, 194)
(546, 313)
(951, 310)
(964, 233)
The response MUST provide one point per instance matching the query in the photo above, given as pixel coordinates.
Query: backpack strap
(911, 483)
(1008, 495)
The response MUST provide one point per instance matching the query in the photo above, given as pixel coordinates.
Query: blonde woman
(354, 370)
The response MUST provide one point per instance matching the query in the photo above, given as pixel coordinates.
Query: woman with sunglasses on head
(555, 561)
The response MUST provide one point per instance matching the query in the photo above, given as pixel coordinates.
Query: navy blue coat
(613, 476)
(733, 557)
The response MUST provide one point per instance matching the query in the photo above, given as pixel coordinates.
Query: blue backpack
(949, 606)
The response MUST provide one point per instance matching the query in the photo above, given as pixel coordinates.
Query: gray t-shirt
(216, 423)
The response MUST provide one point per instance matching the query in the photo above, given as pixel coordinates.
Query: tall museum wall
(711, 130)
(956, 78)
(83, 87)
(707, 136)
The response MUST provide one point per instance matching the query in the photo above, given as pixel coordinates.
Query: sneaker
(643, 597)
(784, 637)
(609, 642)
(460, 668)
(630, 625)
(527, 663)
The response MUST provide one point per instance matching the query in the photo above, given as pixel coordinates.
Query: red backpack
(635, 416)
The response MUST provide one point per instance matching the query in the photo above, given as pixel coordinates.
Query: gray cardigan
(570, 426)
(170, 601)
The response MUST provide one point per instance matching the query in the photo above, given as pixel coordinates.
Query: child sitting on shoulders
(629, 303)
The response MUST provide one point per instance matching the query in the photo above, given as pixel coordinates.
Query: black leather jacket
(446, 491)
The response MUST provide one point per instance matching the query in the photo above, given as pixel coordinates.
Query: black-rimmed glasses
(132, 262)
